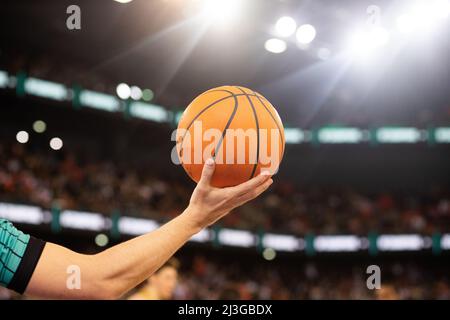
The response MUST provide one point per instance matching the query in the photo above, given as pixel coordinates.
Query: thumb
(207, 173)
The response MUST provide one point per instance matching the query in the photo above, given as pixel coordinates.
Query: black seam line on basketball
(261, 98)
(205, 109)
(211, 105)
(257, 133)
(230, 119)
(273, 118)
(201, 112)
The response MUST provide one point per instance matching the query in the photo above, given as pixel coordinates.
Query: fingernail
(265, 173)
(210, 162)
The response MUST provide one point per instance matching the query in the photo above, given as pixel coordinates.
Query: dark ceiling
(160, 45)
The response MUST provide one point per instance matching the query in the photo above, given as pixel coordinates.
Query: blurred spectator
(42, 178)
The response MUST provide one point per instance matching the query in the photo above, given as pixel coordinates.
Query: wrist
(191, 221)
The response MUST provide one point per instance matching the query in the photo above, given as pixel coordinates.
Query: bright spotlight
(135, 93)
(220, 10)
(123, 91)
(406, 23)
(428, 13)
(444, 8)
(123, 1)
(306, 34)
(362, 43)
(22, 137)
(285, 26)
(439, 9)
(275, 45)
(379, 36)
(56, 143)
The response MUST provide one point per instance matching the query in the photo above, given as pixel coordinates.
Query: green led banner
(329, 135)
(118, 225)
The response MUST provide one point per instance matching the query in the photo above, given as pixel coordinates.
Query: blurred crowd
(310, 280)
(60, 179)
(208, 276)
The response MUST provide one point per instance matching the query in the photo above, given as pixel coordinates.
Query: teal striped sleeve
(19, 254)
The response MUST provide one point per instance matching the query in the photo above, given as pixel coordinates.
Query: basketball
(238, 128)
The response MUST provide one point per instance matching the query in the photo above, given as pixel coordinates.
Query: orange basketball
(237, 127)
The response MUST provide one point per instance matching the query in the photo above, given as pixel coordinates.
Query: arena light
(148, 111)
(380, 36)
(202, 236)
(423, 16)
(3, 79)
(82, 220)
(237, 238)
(135, 93)
(293, 135)
(359, 44)
(398, 135)
(123, 1)
(364, 42)
(123, 91)
(101, 240)
(56, 143)
(442, 135)
(408, 242)
(406, 23)
(269, 254)
(21, 213)
(337, 243)
(147, 95)
(275, 45)
(281, 242)
(445, 242)
(443, 8)
(285, 26)
(340, 135)
(431, 11)
(220, 10)
(98, 100)
(39, 126)
(306, 34)
(45, 89)
(136, 226)
(22, 136)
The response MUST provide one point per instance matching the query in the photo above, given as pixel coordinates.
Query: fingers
(251, 184)
(207, 173)
(254, 192)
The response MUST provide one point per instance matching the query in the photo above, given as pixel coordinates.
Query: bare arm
(113, 272)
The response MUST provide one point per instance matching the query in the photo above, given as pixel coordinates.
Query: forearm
(113, 272)
(129, 263)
